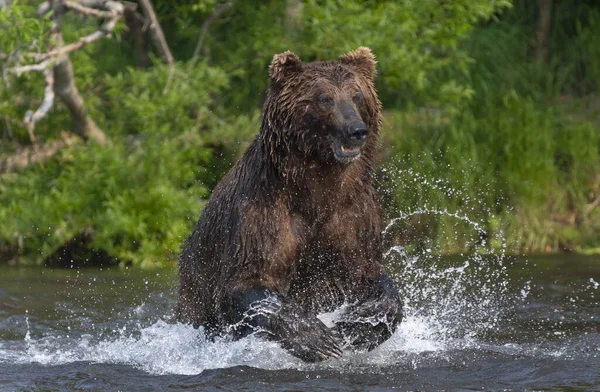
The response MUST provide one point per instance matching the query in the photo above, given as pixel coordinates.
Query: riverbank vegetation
(491, 125)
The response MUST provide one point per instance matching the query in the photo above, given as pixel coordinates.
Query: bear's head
(328, 111)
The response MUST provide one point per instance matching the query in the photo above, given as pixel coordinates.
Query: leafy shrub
(141, 194)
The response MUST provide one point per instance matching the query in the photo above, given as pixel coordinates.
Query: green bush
(142, 193)
(516, 159)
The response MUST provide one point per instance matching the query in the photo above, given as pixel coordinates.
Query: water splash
(425, 211)
(27, 338)
(448, 301)
(161, 348)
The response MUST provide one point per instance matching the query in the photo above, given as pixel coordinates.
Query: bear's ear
(363, 60)
(284, 65)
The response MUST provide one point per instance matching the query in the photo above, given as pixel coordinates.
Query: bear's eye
(358, 98)
(325, 102)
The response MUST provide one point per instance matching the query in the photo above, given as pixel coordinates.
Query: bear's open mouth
(343, 153)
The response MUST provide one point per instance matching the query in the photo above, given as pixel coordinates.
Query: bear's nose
(358, 132)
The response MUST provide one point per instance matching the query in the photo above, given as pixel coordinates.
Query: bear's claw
(304, 335)
(366, 325)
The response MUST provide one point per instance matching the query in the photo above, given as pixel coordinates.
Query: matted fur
(288, 216)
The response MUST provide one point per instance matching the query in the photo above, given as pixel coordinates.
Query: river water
(471, 323)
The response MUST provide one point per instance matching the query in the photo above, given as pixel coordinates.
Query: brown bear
(294, 228)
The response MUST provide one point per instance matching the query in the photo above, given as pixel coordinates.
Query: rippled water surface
(471, 323)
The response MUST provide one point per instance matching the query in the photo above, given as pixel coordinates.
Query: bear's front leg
(267, 313)
(372, 319)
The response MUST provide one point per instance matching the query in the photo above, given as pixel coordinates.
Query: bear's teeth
(348, 149)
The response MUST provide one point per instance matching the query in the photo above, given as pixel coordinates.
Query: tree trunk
(543, 30)
(65, 88)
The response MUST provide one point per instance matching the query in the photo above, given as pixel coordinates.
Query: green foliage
(574, 46)
(141, 194)
(21, 29)
(483, 143)
(417, 43)
(122, 193)
(513, 158)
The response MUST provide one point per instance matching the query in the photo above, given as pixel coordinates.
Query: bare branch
(40, 67)
(106, 5)
(206, 25)
(73, 46)
(93, 11)
(590, 207)
(35, 154)
(159, 40)
(33, 118)
(57, 67)
(156, 32)
(44, 8)
(130, 6)
(110, 9)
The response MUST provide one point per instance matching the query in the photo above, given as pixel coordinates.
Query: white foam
(165, 348)
(161, 348)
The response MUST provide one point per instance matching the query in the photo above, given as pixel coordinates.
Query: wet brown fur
(287, 215)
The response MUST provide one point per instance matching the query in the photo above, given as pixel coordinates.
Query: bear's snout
(350, 133)
(351, 128)
(356, 133)
(349, 141)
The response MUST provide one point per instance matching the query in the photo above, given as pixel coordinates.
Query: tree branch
(111, 10)
(40, 67)
(32, 118)
(64, 50)
(590, 207)
(35, 154)
(156, 32)
(58, 69)
(158, 37)
(90, 10)
(206, 25)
